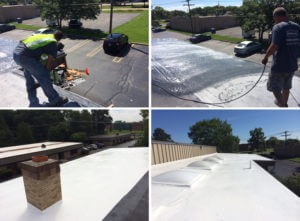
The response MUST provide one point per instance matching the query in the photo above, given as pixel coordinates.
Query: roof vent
(203, 165)
(177, 178)
(211, 159)
(43, 145)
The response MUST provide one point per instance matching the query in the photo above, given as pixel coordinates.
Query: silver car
(247, 47)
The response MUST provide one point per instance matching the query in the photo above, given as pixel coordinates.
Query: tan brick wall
(202, 24)
(162, 152)
(10, 13)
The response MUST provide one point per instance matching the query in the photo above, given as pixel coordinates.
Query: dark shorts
(279, 80)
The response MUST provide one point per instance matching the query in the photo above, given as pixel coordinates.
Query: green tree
(272, 142)
(24, 134)
(59, 10)
(79, 136)
(101, 118)
(216, 133)
(60, 132)
(6, 136)
(144, 140)
(160, 134)
(257, 139)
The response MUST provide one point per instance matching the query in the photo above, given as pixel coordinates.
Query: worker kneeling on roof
(28, 55)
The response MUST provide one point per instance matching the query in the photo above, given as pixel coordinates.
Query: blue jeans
(33, 67)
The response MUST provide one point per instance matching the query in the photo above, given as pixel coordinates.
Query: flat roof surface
(32, 148)
(231, 192)
(91, 187)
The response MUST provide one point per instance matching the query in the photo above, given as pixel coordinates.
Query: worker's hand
(264, 61)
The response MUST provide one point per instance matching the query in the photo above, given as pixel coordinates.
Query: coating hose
(218, 103)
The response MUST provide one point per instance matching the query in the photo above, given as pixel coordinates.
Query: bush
(6, 174)
(79, 136)
(293, 183)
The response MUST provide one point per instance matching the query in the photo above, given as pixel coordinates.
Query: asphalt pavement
(102, 21)
(114, 80)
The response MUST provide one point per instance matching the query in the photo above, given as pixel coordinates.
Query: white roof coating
(91, 187)
(32, 148)
(234, 191)
(201, 164)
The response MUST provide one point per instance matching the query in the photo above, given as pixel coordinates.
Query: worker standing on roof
(28, 54)
(284, 48)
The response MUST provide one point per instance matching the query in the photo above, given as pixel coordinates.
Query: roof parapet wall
(163, 152)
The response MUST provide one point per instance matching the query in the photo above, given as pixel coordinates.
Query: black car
(158, 29)
(75, 24)
(115, 42)
(4, 28)
(199, 38)
(100, 145)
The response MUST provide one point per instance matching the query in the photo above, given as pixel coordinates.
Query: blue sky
(178, 4)
(177, 122)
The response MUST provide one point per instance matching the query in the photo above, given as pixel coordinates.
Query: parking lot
(208, 72)
(113, 80)
(102, 21)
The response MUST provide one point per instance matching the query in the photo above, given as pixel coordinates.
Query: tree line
(215, 132)
(252, 15)
(23, 127)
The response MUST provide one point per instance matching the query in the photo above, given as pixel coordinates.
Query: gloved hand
(60, 46)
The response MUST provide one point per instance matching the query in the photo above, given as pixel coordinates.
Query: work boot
(63, 100)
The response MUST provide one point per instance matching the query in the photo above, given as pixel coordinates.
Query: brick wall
(287, 151)
(10, 13)
(202, 24)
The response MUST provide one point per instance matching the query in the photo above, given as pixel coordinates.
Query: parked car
(5, 27)
(50, 22)
(199, 38)
(158, 29)
(100, 145)
(44, 31)
(85, 150)
(93, 147)
(247, 47)
(75, 24)
(115, 42)
(248, 34)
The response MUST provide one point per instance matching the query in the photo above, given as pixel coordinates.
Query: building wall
(288, 151)
(202, 24)
(162, 152)
(10, 13)
(137, 126)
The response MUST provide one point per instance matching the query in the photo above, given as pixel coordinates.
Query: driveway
(120, 80)
(236, 32)
(285, 168)
(208, 72)
(102, 21)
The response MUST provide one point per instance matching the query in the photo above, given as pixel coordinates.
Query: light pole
(112, 2)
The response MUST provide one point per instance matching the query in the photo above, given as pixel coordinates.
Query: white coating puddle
(214, 77)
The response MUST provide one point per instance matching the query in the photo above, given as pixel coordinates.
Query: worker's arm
(50, 62)
(271, 50)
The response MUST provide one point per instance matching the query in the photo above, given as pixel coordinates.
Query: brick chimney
(41, 178)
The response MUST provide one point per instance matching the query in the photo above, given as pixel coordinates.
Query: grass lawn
(136, 28)
(296, 159)
(26, 27)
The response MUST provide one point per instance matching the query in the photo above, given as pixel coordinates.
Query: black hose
(202, 102)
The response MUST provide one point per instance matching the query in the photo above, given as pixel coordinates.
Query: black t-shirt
(51, 49)
(287, 36)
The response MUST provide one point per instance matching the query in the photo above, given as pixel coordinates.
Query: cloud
(131, 115)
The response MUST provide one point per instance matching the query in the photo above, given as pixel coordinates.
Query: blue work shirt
(51, 49)
(286, 35)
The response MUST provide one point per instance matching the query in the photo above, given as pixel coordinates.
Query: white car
(44, 31)
(247, 47)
